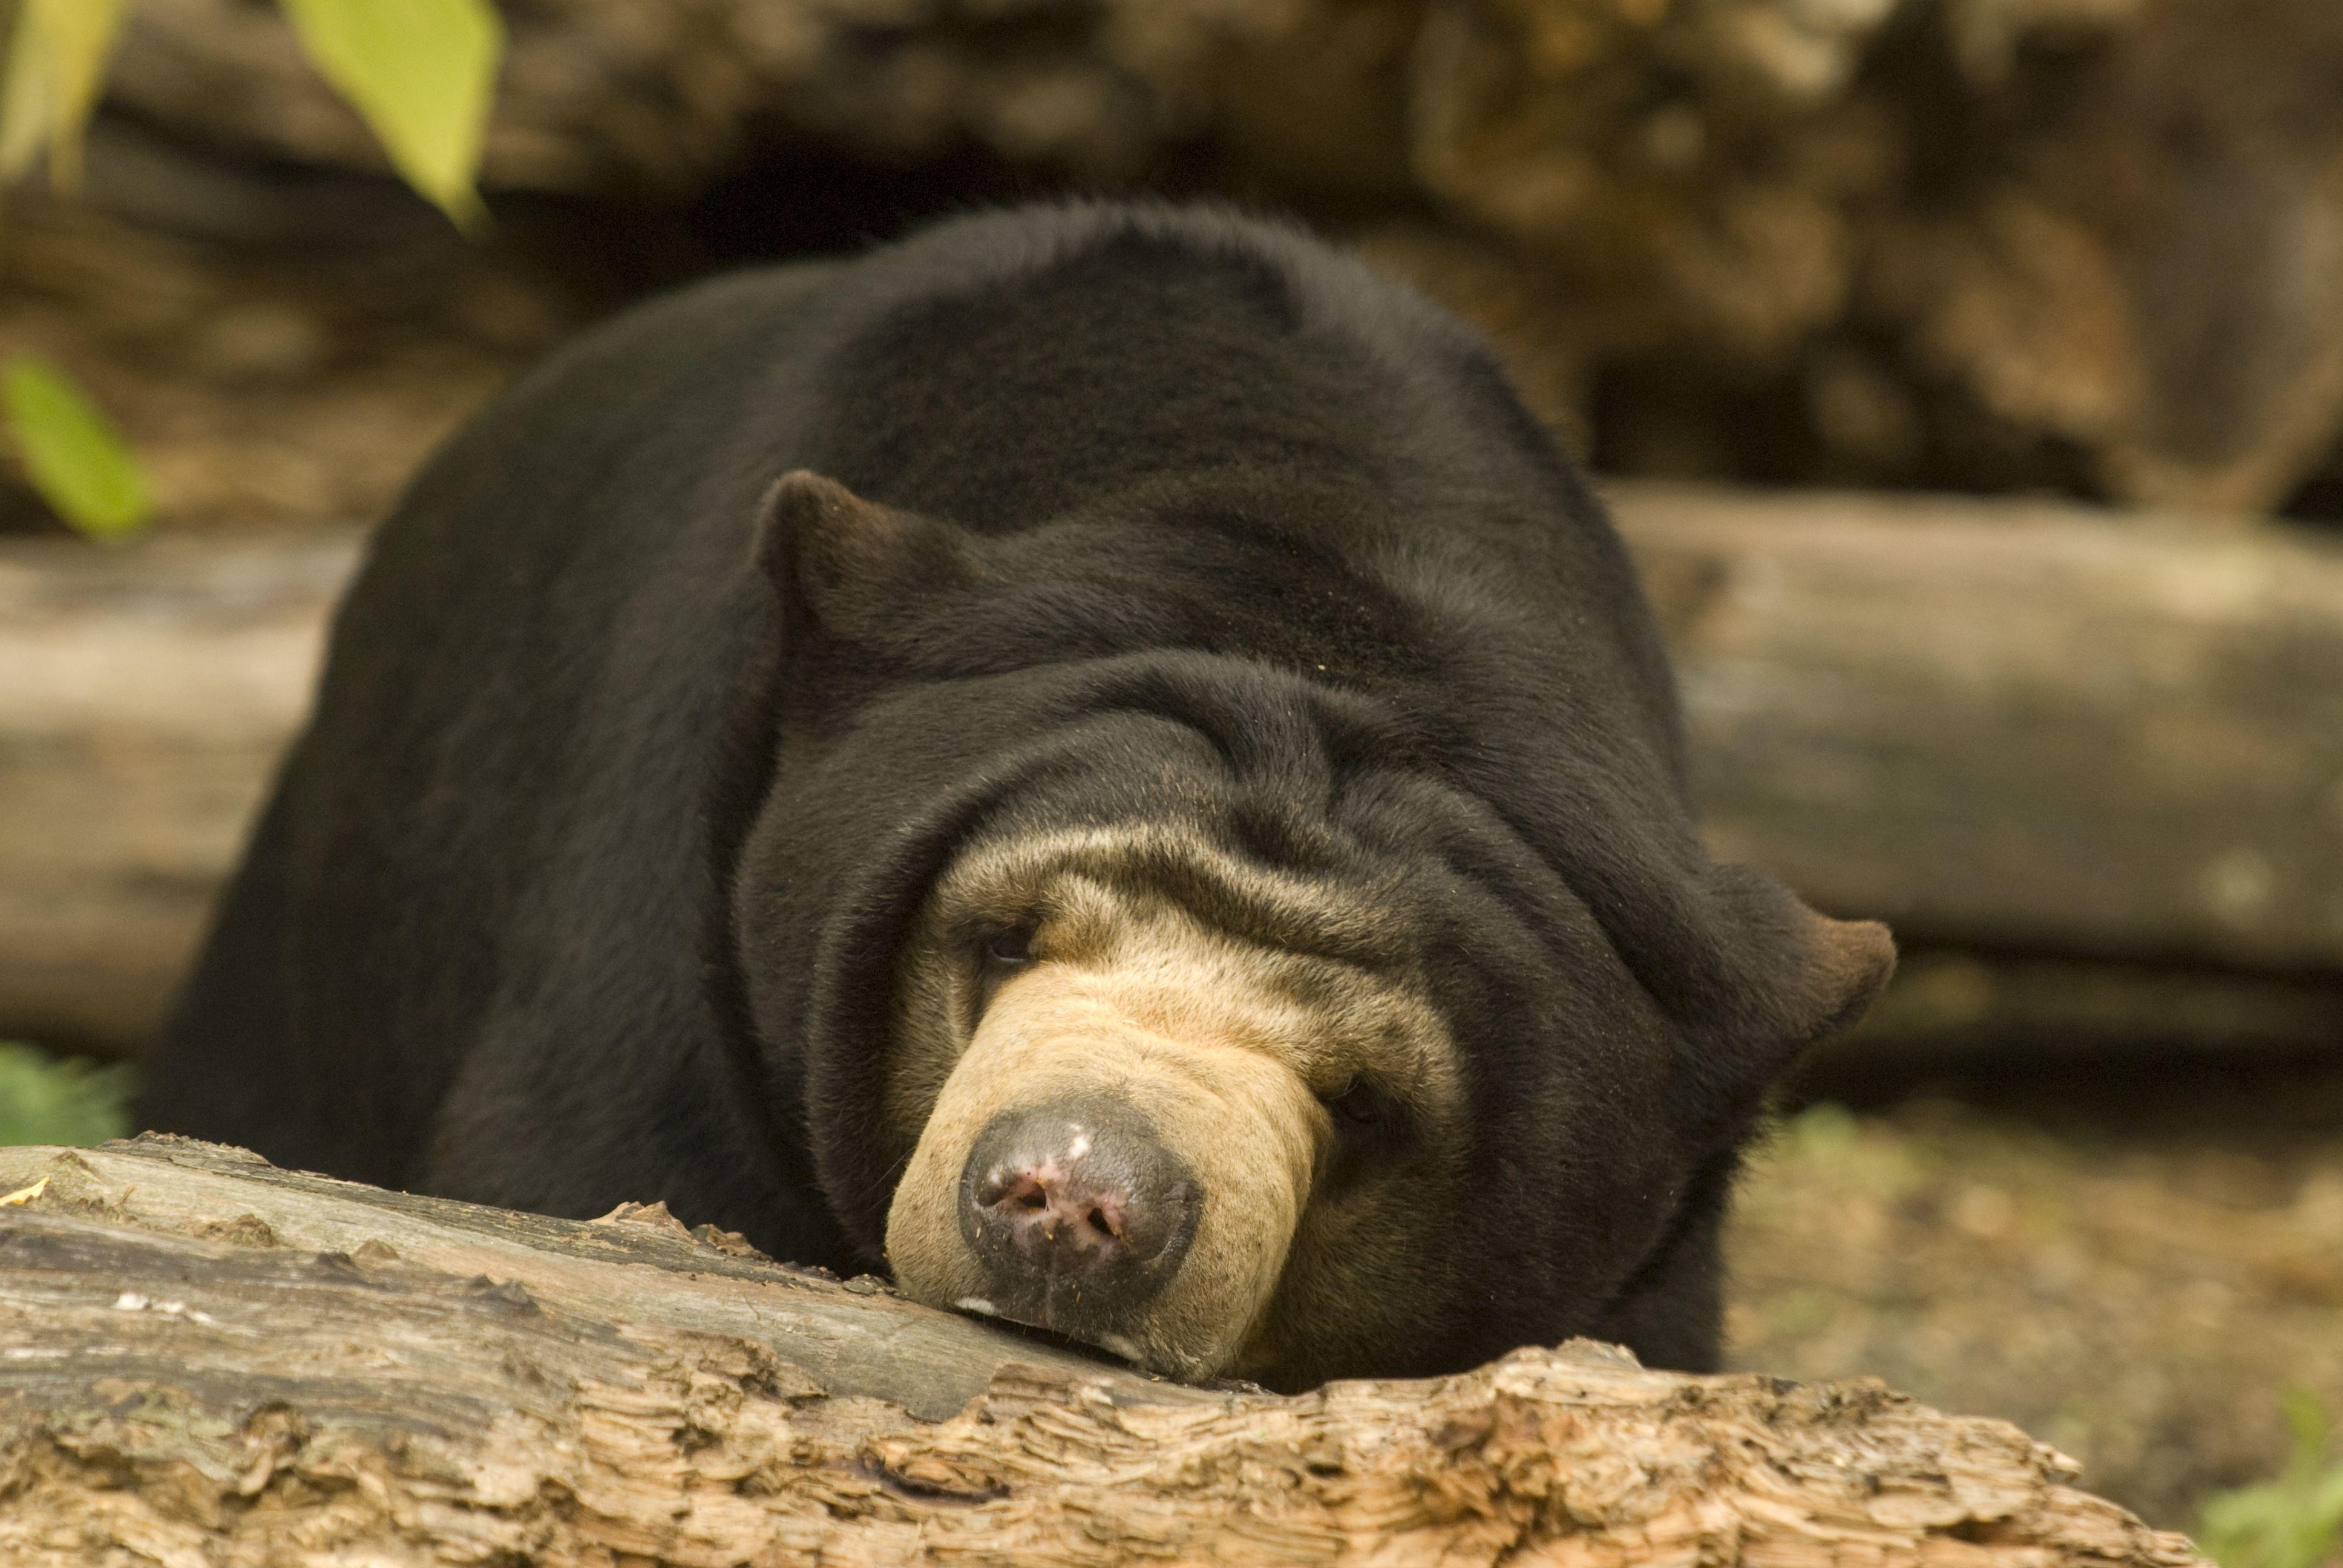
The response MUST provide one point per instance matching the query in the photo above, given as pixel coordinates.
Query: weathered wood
(855, 1335)
(2018, 725)
(1949, 1007)
(2178, 330)
(207, 1361)
(145, 695)
(2025, 725)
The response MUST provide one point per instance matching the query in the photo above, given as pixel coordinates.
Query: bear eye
(1355, 1101)
(1371, 1134)
(1009, 950)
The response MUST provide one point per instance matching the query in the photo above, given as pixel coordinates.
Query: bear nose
(1077, 1212)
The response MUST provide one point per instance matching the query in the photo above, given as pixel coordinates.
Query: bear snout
(1077, 1212)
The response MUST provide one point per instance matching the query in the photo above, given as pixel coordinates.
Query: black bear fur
(583, 884)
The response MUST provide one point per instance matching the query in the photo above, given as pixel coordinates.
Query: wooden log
(1960, 1010)
(2018, 725)
(204, 1359)
(144, 696)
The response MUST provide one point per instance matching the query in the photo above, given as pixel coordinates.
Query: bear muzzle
(1077, 1212)
(1128, 1185)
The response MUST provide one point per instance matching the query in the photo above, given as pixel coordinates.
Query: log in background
(207, 1360)
(2036, 727)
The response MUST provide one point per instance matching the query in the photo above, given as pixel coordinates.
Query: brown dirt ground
(2134, 1264)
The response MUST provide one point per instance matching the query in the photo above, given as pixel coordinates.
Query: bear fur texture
(839, 747)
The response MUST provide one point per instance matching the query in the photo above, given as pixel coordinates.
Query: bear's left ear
(843, 566)
(1790, 977)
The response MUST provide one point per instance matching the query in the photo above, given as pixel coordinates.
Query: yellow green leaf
(57, 58)
(72, 452)
(24, 97)
(421, 72)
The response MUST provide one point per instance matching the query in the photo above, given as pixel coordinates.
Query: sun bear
(1095, 758)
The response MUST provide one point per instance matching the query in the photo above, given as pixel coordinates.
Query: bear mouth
(1053, 1324)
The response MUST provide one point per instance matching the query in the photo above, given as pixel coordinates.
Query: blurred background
(1967, 376)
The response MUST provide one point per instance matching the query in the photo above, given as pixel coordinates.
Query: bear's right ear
(841, 564)
(1777, 977)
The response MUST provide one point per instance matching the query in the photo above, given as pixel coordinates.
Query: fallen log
(206, 1359)
(1953, 1010)
(2017, 725)
(144, 697)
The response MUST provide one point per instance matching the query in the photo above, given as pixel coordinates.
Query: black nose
(1077, 1211)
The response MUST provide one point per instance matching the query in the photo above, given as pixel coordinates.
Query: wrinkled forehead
(1189, 941)
(1078, 876)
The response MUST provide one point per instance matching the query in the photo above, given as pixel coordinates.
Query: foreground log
(205, 1360)
(2021, 725)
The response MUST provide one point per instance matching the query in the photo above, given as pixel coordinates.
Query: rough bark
(601, 94)
(2021, 726)
(1917, 238)
(206, 1359)
(1934, 241)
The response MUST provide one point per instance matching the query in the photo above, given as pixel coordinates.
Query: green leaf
(57, 58)
(422, 72)
(2294, 1522)
(24, 97)
(44, 1099)
(72, 452)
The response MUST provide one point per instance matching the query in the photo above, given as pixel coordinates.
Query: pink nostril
(1039, 1196)
(1074, 1210)
(1011, 1188)
(1104, 1215)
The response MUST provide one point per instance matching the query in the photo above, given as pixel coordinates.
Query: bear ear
(1792, 977)
(840, 562)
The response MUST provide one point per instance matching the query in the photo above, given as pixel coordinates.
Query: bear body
(609, 868)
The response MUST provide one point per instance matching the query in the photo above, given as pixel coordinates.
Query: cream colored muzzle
(1238, 1120)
